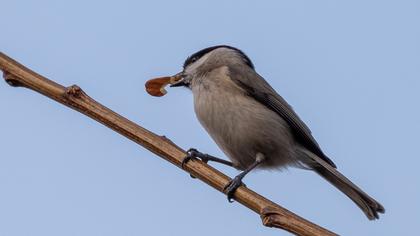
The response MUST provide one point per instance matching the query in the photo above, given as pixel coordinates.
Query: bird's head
(205, 60)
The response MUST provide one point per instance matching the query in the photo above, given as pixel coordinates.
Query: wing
(260, 90)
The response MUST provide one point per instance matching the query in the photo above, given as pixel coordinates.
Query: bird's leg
(236, 182)
(194, 153)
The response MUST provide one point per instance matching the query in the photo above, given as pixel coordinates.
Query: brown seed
(156, 87)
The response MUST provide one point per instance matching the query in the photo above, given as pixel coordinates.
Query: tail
(367, 204)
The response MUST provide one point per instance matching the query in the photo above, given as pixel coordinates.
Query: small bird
(253, 125)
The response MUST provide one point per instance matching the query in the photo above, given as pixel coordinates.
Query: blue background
(351, 70)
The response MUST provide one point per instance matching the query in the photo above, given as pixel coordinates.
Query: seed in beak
(156, 87)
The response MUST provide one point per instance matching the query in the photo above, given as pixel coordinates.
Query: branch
(272, 215)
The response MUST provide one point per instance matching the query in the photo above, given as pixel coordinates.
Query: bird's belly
(243, 127)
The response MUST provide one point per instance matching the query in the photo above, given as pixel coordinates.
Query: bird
(253, 125)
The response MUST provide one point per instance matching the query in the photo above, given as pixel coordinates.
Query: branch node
(74, 91)
(271, 217)
(11, 79)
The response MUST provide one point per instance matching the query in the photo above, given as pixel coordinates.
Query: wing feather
(256, 87)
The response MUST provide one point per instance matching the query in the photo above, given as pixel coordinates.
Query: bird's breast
(240, 125)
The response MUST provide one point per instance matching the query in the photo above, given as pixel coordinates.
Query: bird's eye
(194, 59)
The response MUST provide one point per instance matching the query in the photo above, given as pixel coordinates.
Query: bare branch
(272, 215)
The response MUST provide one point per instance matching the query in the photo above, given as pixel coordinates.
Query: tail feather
(366, 203)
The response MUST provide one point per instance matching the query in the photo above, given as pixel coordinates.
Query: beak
(178, 80)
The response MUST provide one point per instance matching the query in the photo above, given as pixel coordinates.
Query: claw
(231, 187)
(191, 154)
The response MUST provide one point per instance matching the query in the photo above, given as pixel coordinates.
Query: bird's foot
(193, 153)
(231, 187)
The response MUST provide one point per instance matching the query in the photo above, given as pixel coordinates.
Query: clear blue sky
(351, 69)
